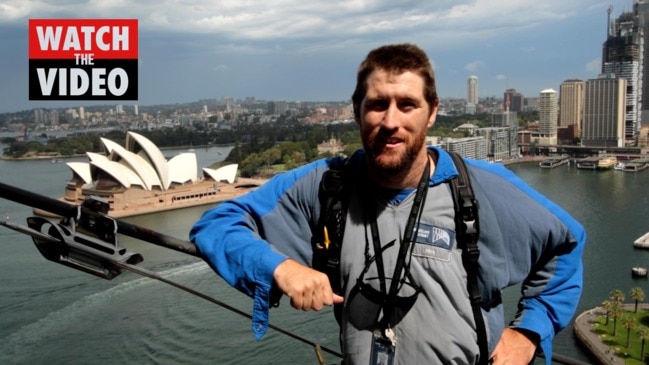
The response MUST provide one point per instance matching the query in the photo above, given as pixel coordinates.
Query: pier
(636, 165)
(554, 161)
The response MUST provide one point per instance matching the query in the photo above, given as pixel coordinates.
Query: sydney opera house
(138, 179)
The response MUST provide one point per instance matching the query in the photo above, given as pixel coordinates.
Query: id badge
(382, 349)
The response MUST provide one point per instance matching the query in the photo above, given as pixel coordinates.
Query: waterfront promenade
(594, 342)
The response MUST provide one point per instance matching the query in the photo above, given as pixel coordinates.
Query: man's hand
(516, 347)
(307, 288)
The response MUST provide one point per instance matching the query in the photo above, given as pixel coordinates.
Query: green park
(624, 327)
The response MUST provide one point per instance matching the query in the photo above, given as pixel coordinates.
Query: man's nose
(391, 117)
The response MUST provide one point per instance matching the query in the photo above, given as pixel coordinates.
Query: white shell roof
(139, 165)
(93, 156)
(147, 168)
(82, 169)
(151, 153)
(121, 173)
(228, 173)
(182, 168)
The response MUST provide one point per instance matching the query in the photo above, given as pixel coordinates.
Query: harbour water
(50, 314)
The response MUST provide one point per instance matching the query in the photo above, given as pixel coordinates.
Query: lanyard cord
(413, 218)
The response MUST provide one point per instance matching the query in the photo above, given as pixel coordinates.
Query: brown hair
(397, 58)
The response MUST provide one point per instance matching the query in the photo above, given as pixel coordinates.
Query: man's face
(394, 116)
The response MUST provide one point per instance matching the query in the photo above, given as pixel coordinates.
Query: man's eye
(377, 105)
(407, 106)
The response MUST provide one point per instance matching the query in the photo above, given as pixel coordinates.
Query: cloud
(474, 66)
(445, 21)
(594, 66)
(311, 49)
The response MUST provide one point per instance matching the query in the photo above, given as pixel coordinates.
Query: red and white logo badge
(83, 59)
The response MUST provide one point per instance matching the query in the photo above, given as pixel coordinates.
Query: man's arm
(530, 239)
(308, 289)
(244, 240)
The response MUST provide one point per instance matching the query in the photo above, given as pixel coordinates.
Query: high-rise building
(277, 107)
(39, 116)
(54, 117)
(548, 117)
(624, 55)
(229, 104)
(641, 11)
(604, 111)
(472, 90)
(513, 100)
(571, 106)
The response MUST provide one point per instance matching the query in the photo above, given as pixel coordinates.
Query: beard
(390, 162)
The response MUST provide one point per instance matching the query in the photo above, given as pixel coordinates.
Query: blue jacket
(524, 238)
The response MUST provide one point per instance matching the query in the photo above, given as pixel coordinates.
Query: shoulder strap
(468, 230)
(327, 240)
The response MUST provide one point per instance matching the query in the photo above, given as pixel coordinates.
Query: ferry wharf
(591, 341)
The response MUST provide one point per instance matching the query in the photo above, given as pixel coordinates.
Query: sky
(309, 50)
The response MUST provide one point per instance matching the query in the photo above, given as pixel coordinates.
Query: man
(261, 242)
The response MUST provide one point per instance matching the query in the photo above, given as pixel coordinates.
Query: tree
(616, 313)
(643, 334)
(617, 296)
(251, 165)
(350, 137)
(607, 305)
(294, 160)
(271, 156)
(637, 294)
(629, 323)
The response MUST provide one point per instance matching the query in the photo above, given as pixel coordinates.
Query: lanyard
(405, 245)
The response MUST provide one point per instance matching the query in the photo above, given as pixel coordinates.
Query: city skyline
(310, 51)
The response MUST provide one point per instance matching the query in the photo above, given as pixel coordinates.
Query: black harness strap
(327, 241)
(468, 229)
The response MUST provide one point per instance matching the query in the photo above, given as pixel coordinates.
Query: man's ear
(357, 114)
(433, 115)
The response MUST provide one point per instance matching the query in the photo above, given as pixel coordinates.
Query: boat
(146, 182)
(597, 163)
(589, 163)
(553, 162)
(619, 166)
(606, 163)
(639, 271)
(642, 241)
